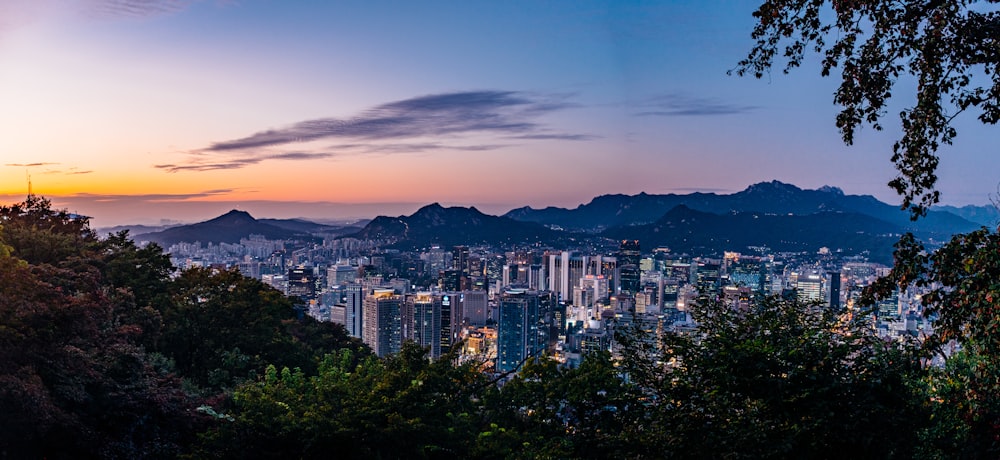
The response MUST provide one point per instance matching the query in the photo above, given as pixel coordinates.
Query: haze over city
(136, 111)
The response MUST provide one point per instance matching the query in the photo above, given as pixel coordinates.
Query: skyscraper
(383, 325)
(460, 259)
(628, 266)
(834, 289)
(302, 283)
(809, 287)
(565, 270)
(426, 321)
(354, 295)
(518, 331)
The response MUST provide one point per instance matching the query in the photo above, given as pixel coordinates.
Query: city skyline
(135, 111)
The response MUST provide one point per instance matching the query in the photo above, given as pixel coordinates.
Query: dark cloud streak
(241, 162)
(29, 165)
(677, 105)
(434, 115)
(506, 114)
(135, 9)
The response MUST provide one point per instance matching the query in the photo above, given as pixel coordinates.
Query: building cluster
(502, 307)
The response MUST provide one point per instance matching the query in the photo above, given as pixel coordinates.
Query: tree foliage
(221, 328)
(949, 47)
(100, 347)
(961, 285)
(75, 381)
(781, 379)
(404, 406)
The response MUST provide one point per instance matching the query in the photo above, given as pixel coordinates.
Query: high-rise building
(519, 334)
(426, 328)
(354, 295)
(596, 287)
(340, 275)
(537, 278)
(564, 270)
(708, 277)
(383, 322)
(449, 308)
(460, 259)
(809, 287)
(475, 308)
(302, 283)
(834, 289)
(628, 266)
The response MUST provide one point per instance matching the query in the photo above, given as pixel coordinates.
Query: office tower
(451, 280)
(446, 337)
(751, 272)
(354, 295)
(426, 327)
(302, 283)
(341, 274)
(628, 266)
(809, 287)
(383, 325)
(518, 331)
(708, 278)
(565, 268)
(475, 308)
(834, 289)
(460, 259)
(537, 278)
(338, 315)
(506, 277)
(596, 287)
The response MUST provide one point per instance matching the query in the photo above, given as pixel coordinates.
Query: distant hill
(311, 228)
(227, 228)
(988, 215)
(773, 197)
(684, 229)
(437, 225)
(133, 230)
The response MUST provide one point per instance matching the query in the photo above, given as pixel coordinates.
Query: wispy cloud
(49, 171)
(396, 127)
(679, 105)
(150, 198)
(413, 147)
(435, 115)
(236, 163)
(29, 165)
(557, 137)
(18, 13)
(134, 8)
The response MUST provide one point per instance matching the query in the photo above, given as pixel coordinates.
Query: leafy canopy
(951, 47)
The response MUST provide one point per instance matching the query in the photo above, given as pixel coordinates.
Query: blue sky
(140, 110)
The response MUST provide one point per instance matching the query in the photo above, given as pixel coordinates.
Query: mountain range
(235, 225)
(434, 225)
(777, 215)
(607, 211)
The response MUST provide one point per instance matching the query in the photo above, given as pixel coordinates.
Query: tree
(950, 47)
(402, 406)
(780, 379)
(961, 284)
(75, 381)
(39, 235)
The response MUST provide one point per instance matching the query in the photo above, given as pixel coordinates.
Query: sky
(152, 111)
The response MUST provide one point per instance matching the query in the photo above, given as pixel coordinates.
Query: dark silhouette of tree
(75, 381)
(781, 379)
(949, 47)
